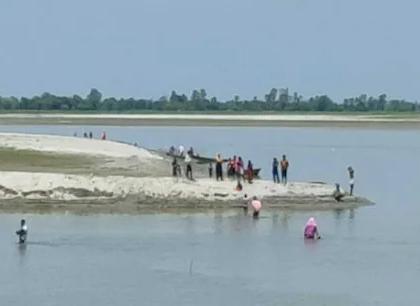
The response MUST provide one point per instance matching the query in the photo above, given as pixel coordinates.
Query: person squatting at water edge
(337, 194)
(23, 232)
(311, 230)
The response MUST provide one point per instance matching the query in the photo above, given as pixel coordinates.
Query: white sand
(221, 117)
(165, 188)
(72, 145)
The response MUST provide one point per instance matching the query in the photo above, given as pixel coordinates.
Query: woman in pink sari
(311, 229)
(256, 206)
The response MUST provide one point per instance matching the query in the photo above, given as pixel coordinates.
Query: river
(368, 256)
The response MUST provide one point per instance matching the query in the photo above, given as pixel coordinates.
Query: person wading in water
(311, 230)
(256, 206)
(23, 232)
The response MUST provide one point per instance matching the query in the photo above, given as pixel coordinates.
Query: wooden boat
(199, 159)
(257, 172)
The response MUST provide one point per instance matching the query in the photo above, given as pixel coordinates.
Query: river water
(368, 256)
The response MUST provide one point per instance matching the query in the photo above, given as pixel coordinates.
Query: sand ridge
(73, 145)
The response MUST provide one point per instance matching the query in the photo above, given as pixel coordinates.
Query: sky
(146, 48)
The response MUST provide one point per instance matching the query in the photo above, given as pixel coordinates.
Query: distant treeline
(275, 100)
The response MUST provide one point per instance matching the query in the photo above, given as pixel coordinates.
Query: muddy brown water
(368, 256)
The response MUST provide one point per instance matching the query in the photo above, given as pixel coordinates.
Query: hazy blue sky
(146, 48)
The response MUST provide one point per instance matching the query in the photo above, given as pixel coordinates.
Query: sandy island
(55, 173)
(393, 120)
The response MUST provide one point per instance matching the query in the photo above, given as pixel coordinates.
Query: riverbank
(291, 120)
(111, 177)
(21, 191)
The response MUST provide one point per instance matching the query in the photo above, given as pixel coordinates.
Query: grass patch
(35, 161)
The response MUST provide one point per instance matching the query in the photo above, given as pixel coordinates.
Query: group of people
(90, 135)
(236, 169)
(180, 152)
(284, 166)
(311, 227)
(176, 168)
(310, 231)
(186, 156)
(338, 194)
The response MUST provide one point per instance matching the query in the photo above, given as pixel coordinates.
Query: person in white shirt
(188, 173)
(181, 150)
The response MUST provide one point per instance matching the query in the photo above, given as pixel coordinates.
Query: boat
(257, 172)
(199, 159)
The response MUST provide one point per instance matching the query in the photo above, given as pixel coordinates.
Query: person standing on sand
(181, 150)
(188, 172)
(239, 170)
(250, 172)
(174, 167)
(284, 164)
(103, 136)
(230, 166)
(210, 170)
(234, 162)
(219, 167)
(351, 176)
(276, 177)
